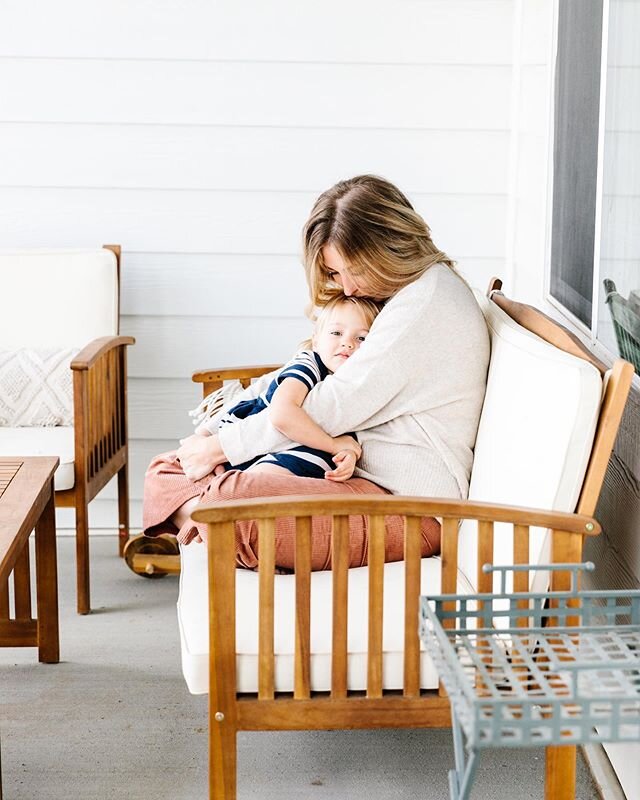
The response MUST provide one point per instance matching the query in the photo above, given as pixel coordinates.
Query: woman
(413, 392)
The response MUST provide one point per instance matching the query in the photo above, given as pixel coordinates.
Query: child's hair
(369, 308)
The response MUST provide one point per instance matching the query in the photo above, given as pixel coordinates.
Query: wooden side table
(26, 503)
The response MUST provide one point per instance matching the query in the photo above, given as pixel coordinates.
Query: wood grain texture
(302, 653)
(376, 606)
(340, 587)
(451, 510)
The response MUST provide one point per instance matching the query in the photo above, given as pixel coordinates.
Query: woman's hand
(346, 442)
(199, 455)
(346, 463)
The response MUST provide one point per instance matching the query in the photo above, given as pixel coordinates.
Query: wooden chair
(272, 689)
(75, 305)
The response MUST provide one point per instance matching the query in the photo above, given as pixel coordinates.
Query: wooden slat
(449, 555)
(376, 605)
(485, 556)
(521, 579)
(449, 569)
(352, 713)
(266, 570)
(18, 634)
(22, 585)
(339, 566)
(302, 654)
(411, 607)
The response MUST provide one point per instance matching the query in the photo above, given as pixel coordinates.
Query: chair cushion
(535, 435)
(36, 387)
(194, 632)
(57, 298)
(56, 441)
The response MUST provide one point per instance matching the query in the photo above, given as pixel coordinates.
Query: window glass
(619, 272)
(575, 155)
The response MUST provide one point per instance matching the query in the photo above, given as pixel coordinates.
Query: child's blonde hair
(369, 309)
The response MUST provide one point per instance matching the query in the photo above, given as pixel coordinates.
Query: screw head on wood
(218, 716)
(589, 526)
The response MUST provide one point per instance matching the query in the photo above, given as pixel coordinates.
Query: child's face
(338, 337)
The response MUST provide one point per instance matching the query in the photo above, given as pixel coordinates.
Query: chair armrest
(88, 356)
(100, 411)
(232, 373)
(213, 379)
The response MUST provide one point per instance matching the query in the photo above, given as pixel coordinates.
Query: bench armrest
(100, 411)
(212, 379)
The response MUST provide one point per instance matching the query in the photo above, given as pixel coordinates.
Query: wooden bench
(340, 649)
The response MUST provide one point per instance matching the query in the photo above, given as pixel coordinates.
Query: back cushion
(57, 298)
(535, 436)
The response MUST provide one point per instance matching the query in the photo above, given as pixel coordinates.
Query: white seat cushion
(194, 632)
(535, 435)
(56, 441)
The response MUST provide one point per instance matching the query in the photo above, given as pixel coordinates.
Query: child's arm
(287, 416)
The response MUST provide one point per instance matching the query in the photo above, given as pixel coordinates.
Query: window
(595, 250)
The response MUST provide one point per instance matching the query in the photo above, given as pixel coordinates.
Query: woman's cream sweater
(413, 391)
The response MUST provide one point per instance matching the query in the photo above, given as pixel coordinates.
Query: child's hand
(346, 442)
(346, 463)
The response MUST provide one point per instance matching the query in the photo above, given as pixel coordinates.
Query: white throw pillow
(36, 388)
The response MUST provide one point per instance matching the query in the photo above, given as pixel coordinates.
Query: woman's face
(339, 272)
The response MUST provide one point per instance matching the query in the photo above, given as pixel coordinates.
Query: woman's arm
(368, 389)
(287, 416)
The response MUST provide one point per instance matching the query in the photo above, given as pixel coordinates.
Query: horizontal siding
(621, 232)
(240, 93)
(212, 284)
(256, 285)
(199, 135)
(248, 159)
(621, 162)
(173, 347)
(439, 31)
(219, 222)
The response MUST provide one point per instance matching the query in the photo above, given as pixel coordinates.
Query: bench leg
(560, 777)
(82, 553)
(222, 762)
(47, 585)
(123, 508)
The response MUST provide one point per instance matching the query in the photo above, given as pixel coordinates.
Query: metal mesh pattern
(514, 680)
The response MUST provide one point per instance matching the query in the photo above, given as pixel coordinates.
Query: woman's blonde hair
(377, 232)
(369, 309)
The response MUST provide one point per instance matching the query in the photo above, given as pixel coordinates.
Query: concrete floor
(114, 719)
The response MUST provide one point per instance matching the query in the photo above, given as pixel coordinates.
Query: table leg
(560, 773)
(47, 585)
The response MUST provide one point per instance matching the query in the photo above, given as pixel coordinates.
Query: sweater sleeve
(360, 395)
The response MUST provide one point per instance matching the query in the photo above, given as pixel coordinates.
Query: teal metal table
(555, 668)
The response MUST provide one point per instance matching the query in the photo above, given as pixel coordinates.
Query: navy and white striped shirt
(306, 462)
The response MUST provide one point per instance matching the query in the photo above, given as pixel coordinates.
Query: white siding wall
(198, 134)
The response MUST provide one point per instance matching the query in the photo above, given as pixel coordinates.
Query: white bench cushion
(535, 435)
(57, 298)
(56, 441)
(194, 631)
